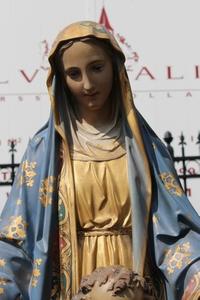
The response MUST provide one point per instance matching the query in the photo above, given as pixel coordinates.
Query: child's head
(115, 282)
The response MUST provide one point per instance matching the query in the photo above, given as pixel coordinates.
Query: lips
(91, 95)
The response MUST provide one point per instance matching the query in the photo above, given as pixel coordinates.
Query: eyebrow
(90, 63)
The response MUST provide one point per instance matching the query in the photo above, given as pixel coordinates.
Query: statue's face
(89, 75)
(102, 293)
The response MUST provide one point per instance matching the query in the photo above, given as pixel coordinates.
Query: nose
(88, 85)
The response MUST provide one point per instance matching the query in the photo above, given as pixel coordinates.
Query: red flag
(104, 20)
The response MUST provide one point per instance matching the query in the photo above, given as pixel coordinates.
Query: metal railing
(187, 173)
(8, 171)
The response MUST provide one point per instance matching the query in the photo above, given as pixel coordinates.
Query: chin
(94, 108)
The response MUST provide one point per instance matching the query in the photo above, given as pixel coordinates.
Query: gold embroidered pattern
(3, 281)
(18, 201)
(2, 262)
(36, 272)
(46, 189)
(28, 173)
(16, 229)
(171, 184)
(192, 291)
(176, 259)
(65, 248)
(195, 282)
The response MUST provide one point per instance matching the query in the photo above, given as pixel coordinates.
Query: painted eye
(73, 74)
(98, 68)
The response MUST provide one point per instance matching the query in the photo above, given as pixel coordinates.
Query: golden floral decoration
(28, 173)
(1, 291)
(171, 184)
(16, 229)
(192, 291)
(46, 189)
(2, 262)
(178, 257)
(38, 261)
(3, 281)
(18, 201)
(34, 282)
(36, 272)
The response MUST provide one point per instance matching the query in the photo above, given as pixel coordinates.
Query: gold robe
(103, 214)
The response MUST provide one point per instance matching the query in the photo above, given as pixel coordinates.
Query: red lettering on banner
(20, 98)
(150, 95)
(129, 68)
(4, 173)
(188, 94)
(37, 97)
(144, 72)
(12, 141)
(44, 68)
(197, 72)
(135, 57)
(169, 95)
(169, 74)
(191, 171)
(29, 79)
(189, 192)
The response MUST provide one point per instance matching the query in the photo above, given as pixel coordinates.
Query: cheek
(107, 81)
(73, 87)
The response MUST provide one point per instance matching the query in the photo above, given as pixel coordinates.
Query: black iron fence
(187, 172)
(8, 171)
